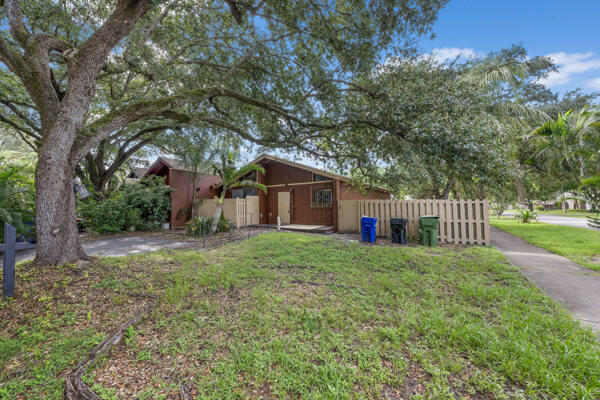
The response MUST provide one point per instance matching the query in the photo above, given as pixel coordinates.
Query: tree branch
(22, 116)
(19, 128)
(235, 11)
(94, 51)
(15, 21)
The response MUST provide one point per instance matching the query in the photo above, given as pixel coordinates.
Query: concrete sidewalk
(576, 287)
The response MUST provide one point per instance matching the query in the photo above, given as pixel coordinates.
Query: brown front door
(283, 207)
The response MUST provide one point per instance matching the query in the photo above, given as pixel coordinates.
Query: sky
(566, 31)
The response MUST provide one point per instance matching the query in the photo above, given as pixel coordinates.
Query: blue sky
(567, 31)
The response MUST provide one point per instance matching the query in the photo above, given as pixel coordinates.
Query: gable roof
(137, 171)
(319, 171)
(266, 157)
(173, 163)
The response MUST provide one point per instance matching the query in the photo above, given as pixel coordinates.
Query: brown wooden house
(179, 178)
(301, 194)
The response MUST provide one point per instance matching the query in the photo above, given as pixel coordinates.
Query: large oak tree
(270, 71)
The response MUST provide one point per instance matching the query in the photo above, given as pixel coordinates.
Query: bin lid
(428, 216)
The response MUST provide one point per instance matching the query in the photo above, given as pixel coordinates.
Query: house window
(320, 178)
(322, 197)
(237, 193)
(243, 193)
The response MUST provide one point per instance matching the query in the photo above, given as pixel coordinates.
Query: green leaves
(17, 195)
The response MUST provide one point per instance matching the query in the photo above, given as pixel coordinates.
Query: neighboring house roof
(262, 159)
(137, 172)
(173, 163)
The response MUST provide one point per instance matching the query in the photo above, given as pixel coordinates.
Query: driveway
(118, 246)
(577, 288)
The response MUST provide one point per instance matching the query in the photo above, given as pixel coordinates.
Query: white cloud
(569, 66)
(450, 53)
(594, 84)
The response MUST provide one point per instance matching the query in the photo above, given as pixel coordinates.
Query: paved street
(558, 220)
(567, 221)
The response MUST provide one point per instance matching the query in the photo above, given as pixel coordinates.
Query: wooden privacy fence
(241, 212)
(460, 221)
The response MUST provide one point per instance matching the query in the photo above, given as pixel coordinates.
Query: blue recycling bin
(367, 228)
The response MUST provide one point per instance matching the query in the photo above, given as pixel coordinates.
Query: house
(135, 174)
(179, 178)
(300, 194)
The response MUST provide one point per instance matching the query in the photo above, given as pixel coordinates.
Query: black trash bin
(399, 230)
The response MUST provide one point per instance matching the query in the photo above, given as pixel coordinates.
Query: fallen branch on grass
(76, 389)
(301, 282)
(185, 392)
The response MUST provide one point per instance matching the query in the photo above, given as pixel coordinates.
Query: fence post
(10, 248)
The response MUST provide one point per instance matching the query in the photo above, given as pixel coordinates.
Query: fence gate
(460, 221)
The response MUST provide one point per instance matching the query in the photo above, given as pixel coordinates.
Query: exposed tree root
(76, 389)
(338, 285)
(185, 392)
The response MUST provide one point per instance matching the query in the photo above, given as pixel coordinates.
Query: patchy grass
(570, 213)
(577, 244)
(287, 315)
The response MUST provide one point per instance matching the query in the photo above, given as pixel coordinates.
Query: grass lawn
(286, 315)
(570, 213)
(577, 244)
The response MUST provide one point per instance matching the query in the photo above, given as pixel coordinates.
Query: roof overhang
(267, 157)
(159, 164)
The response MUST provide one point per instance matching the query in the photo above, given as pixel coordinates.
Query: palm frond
(246, 169)
(249, 183)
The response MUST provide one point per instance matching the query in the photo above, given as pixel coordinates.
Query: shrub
(526, 216)
(17, 195)
(150, 199)
(540, 208)
(144, 205)
(106, 216)
(200, 226)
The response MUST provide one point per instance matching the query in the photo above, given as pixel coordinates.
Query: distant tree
(571, 100)
(231, 178)
(568, 146)
(441, 129)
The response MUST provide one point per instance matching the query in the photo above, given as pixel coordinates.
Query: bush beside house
(144, 205)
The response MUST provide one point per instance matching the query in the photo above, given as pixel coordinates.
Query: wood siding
(299, 183)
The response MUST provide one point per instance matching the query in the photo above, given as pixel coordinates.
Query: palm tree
(570, 140)
(232, 178)
(570, 143)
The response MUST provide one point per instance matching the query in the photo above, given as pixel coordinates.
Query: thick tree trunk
(56, 226)
(449, 186)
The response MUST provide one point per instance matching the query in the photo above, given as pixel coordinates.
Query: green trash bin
(428, 230)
